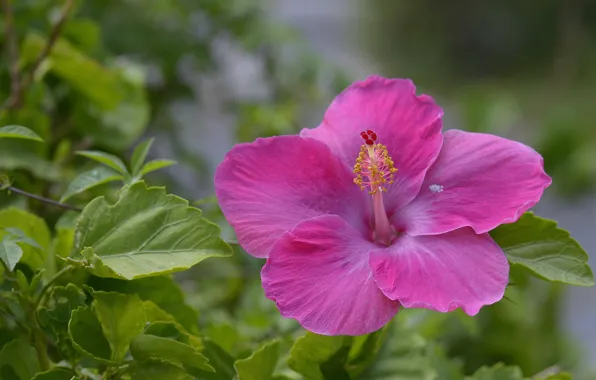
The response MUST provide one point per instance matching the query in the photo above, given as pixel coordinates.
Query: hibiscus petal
(409, 125)
(319, 275)
(480, 181)
(265, 188)
(442, 272)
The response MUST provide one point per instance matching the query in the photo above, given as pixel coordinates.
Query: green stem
(41, 199)
(49, 284)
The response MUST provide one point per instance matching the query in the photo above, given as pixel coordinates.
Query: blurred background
(202, 75)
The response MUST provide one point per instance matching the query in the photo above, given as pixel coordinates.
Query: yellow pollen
(374, 168)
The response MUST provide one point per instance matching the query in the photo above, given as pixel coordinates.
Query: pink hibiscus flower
(341, 260)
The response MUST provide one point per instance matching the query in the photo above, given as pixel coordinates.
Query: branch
(13, 56)
(41, 199)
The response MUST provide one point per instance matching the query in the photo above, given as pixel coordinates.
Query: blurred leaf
(21, 356)
(87, 336)
(31, 225)
(86, 33)
(10, 253)
(220, 360)
(320, 357)
(89, 179)
(55, 374)
(106, 159)
(82, 72)
(145, 233)
(139, 155)
(159, 370)
(547, 251)
(260, 364)
(19, 132)
(154, 165)
(155, 347)
(365, 349)
(560, 376)
(498, 372)
(122, 318)
(20, 237)
(161, 290)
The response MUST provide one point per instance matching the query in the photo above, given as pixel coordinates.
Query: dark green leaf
(154, 369)
(155, 347)
(320, 357)
(60, 305)
(154, 165)
(220, 360)
(90, 179)
(10, 253)
(87, 336)
(19, 132)
(145, 233)
(30, 225)
(260, 365)
(547, 251)
(498, 372)
(139, 155)
(21, 356)
(122, 318)
(55, 374)
(106, 159)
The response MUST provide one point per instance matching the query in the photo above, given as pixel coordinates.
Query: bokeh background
(202, 75)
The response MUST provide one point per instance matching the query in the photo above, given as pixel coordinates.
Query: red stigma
(369, 142)
(364, 135)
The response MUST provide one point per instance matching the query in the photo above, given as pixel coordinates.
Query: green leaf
(320, 357)
(547, 251)
(260, 365)
(122, 318)
(86, 333)
(19, 132)
(63, 300)
(172, 330)
(139, 155)
(154, 165)
(145, 233)
(220, 360)
(21, 357)
(55, 374)
(106, 159)
(20, 237)
(498, 372)
(159, 370)
(162, 290)
(155, 347)
(10, 253)
(89, 179)
(32, 226)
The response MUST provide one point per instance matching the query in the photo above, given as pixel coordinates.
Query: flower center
(374, 170)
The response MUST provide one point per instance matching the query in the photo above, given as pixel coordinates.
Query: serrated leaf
(10, 253)
(31, 225)
(260, 364)
(319, 357)
(122, 318)
(154, 165)
(89, 179)
(159, 370)
(106, 159)
(547, 251)
(55, 374)
(145, 233)
(19, 132)
(21, 357)
(139, 155)
(86, 333)
(155, 347)
(498, 372)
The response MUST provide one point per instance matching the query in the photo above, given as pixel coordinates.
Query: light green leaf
(19, 132)
(106, 159)
(87, 336)
(32, 226)
(319, 357)
(145, 233)
(90, 179)
(260, 365)
(10, 253)
(154, 165)
(155, 347)
(139, 155)
(159, 370)
(55, 374)
(498, 372)
(21, 357)
(122, 318)
(547, 251)
(169, 329)
(20, 237)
